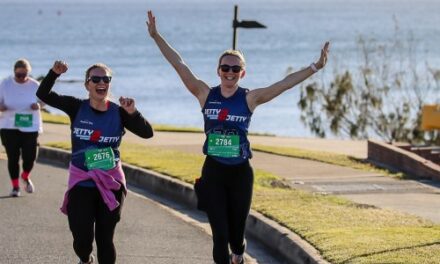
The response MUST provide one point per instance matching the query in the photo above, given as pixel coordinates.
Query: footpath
(421, 198)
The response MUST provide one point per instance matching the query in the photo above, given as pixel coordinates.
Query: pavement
(416, 197)
(33, 230)
(152, 229)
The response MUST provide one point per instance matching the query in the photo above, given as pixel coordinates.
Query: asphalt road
(152, 229)
(33, 230)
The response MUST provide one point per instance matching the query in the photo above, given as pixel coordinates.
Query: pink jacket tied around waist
(105, 181)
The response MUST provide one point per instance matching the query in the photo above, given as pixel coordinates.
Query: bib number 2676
(100, 159)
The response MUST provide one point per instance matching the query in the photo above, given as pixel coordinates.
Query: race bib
(23, 120)
(225, 146)
(103, 159)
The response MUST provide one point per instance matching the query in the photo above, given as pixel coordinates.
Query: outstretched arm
(196, 86)
(263, 95)
(44, 92)
(66, 103)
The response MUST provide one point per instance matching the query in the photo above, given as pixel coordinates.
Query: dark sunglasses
(20, 75)
(227, 68)
(97, 79)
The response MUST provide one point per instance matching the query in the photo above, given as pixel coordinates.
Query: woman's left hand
(324, 54)
(127, 104)
(35, 106)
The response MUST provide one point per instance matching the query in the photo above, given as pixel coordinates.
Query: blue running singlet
(226, 126)
(93, 130)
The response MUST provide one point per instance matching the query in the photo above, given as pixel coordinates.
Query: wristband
(313, 67)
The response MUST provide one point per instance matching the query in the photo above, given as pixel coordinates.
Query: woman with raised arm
(96, 187)
(224, 190)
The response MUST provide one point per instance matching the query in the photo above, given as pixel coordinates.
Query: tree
(381, 98)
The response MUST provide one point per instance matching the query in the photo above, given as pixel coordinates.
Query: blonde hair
(97, 65)
(23, 63)
(235, 53)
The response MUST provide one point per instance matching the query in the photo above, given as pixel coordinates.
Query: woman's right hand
(60, 67)
(151, 24)
(35, 106)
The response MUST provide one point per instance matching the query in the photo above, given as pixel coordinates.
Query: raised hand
(324, 54)
(151, 23)
(127, 104)
(60, 67)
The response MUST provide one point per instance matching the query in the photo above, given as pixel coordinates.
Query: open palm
(151, 23)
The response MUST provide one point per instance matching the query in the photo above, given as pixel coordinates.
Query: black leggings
(228, 193)
(89, 217)
(15, 142)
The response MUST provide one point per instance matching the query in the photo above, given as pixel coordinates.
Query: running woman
(225, 188)
(20, 124)
(96, 187)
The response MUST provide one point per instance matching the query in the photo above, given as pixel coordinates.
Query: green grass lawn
(62, 119)
(343, 231)
(55, 119)
(327, 157)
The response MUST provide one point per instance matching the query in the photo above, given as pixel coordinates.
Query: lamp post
(243, 24)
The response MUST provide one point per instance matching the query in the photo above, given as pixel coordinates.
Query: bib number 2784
(226, 146)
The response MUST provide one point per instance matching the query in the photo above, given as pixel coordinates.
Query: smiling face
(230, 71)
(98, 83)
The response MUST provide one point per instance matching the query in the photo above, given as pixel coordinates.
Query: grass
(322, 156)
(64, 120)
(343, 231)
(326, 157)
(168, 128)
(55, 119)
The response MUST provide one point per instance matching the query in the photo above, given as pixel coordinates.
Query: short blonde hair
(235, 53)
(97, 65)
(23, 63)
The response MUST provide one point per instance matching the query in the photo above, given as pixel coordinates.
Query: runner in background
(20, 124)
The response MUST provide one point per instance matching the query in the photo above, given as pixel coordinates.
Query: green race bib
(103, 159)
(23, 120)
(225, 146)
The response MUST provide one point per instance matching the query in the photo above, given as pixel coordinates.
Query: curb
(397, 159)
(277, 238)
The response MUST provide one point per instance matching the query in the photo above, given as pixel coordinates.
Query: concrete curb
(277, 238)
(397, 159)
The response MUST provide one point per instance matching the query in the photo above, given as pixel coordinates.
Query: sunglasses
(20, 75)
(227, 68)
(97, 79)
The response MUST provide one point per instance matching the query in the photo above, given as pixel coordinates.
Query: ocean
(114, 32)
